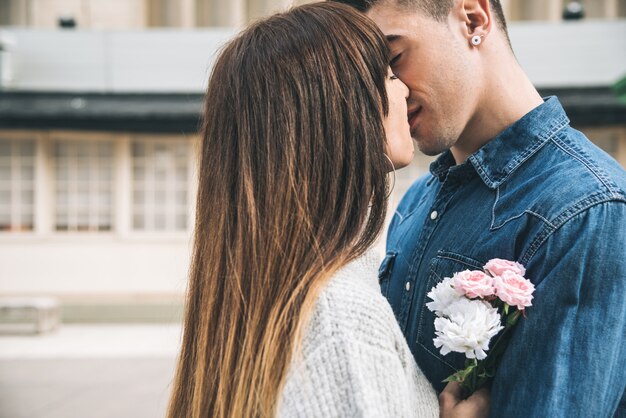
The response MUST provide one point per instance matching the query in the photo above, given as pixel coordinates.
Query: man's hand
(452, 405)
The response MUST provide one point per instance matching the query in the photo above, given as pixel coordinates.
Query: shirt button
(433, 215)
(407, 286)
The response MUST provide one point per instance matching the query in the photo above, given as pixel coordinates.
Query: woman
(284, 316)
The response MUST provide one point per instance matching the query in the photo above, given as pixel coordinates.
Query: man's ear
(477, 16)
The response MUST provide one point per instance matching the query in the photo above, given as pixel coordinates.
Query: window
(160, 185)
(17, 185)
(95, 182)
(83, 186)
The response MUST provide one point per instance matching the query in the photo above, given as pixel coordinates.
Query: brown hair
(436, 9)
(292, 186)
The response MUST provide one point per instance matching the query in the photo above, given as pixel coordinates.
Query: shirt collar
(501, 156)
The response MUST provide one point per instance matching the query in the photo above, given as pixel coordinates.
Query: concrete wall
(93, 265)
(571, 54)
(126, 61)
(554, 55)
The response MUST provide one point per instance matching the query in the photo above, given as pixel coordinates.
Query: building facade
(98, 132)
(136, 14)
(88, 213)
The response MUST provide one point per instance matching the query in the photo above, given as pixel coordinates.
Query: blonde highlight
(292, 186)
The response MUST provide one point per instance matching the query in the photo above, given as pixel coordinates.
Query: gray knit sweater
(354, 361)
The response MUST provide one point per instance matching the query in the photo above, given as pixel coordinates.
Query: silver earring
(393, 170)
(476, 40)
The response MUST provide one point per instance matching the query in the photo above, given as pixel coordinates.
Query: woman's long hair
(292, 186)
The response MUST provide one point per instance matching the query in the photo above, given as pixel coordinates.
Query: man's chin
(429, 149)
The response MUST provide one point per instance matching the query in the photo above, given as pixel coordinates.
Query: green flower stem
(478, 374)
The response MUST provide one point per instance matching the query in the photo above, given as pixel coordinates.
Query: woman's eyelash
(393, 77)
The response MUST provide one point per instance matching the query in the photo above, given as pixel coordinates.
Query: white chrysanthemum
(467, 328)
(442, 296)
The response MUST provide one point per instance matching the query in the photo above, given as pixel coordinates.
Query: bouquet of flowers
(473, 307)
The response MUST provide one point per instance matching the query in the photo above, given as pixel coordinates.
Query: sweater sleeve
(347, 378)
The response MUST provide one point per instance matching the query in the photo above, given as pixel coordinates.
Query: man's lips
(413, 115)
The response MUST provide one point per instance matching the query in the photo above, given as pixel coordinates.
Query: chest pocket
(384, 272)
(442, 266)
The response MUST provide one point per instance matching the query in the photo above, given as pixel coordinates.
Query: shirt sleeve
(568, 357)
(351, 379)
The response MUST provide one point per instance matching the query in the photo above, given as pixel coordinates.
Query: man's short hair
(436, 9)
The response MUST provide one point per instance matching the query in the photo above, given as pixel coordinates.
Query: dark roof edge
(180, 112)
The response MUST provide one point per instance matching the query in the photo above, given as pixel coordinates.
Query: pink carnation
(498, 266)
(514, 289)
(474, 284)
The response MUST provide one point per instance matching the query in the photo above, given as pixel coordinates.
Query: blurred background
(99, 108)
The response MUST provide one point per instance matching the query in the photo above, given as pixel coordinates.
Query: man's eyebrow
(392, 38)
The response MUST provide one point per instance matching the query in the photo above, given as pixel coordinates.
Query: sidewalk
(95, 371)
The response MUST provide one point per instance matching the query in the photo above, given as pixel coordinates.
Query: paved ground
(88, 372)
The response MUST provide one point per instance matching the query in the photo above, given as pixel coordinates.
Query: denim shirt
(542, 194)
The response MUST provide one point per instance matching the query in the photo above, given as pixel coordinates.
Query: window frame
(56, 137)
(122, 187)
(14, 135)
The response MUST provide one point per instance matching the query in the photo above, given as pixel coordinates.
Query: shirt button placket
(443, 197)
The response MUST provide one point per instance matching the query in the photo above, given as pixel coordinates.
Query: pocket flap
(387, 265)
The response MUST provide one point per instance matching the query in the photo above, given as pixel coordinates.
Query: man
(514, 181)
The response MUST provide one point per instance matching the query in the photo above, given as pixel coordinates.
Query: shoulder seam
(562, 219)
